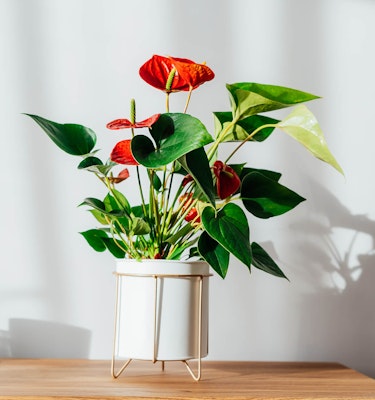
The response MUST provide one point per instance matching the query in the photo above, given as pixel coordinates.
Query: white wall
(77, 61)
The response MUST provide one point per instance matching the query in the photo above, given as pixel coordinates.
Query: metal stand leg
(196, 376)
(117, 374)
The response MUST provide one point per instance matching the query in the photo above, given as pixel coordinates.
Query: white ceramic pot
(162, 310)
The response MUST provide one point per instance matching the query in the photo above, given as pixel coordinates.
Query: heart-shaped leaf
(230, 228)
(214, 254)
(302, 126)
(249, 98)
(189, 134)
(72, 138)
(263, 261)
(265, 197)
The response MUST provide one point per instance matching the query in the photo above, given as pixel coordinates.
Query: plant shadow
(337, 317)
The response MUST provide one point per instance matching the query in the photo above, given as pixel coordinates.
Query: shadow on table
(28, 338)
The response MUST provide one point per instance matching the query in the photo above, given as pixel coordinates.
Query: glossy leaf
(197, 165)
(100, 206)
(100, 241)
(214, 254)
(139, 226)
(162, 129)
(302, 126)
(263, 261)
(99, 216)
(189, 134)
(116, 202)
(244, 127)
(94, 164)
(229, 227)
(265, 197)
(273, 175)
(252, 98)
(72, 138)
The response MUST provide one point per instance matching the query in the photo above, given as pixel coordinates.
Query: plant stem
(247, 139)
(188, 99)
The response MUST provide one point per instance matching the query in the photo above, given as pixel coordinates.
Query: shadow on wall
(43, 339)
(340, 317)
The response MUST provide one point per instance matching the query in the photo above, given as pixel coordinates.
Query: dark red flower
(227, 180)
(189, 75)
(122, 153)
(187, 178)
(192, 215)
(124, 174)
(125, 123)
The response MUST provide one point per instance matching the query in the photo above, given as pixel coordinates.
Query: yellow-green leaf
(302, 125)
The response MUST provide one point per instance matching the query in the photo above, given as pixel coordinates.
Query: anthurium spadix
(180, 197)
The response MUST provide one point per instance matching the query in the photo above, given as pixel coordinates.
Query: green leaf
(94, 164)
(72, 138)
(263, 261)
(197, 164)
(215, 254)
(156, 182)
(116, 202)
(138, 210)
(189, 134)
(94, 203)
(100, 241)
(94, 238)
(252, 98)
(113, 248)
(140, 226)
(99, 216)
(243, 128)
(162, 128)
(242, 171)
(89, 162)
(100, 206)
(302, 126)
(229, 227)
(187, 228)
(265, 197)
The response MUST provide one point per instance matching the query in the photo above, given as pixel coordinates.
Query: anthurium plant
(191, 203)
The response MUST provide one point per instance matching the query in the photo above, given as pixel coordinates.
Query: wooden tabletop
(88, 379)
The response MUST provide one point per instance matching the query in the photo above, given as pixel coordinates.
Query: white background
(77, 61)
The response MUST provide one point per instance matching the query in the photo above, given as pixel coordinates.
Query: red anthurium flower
(187, 178)
(189, 75)
(192, 215)
(125, 123)
(122, 153)
(227, 181)
(192, 73)
(124, 174)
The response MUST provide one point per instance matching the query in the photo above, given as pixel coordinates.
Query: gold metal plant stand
(119, 276)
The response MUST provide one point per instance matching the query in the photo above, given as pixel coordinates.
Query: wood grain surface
(90, 379)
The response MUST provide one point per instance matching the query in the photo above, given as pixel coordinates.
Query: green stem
(219, 139)
(247, 139)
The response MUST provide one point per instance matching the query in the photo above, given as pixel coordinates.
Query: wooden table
(88, 379)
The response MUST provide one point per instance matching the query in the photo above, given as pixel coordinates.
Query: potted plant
(193, 206)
